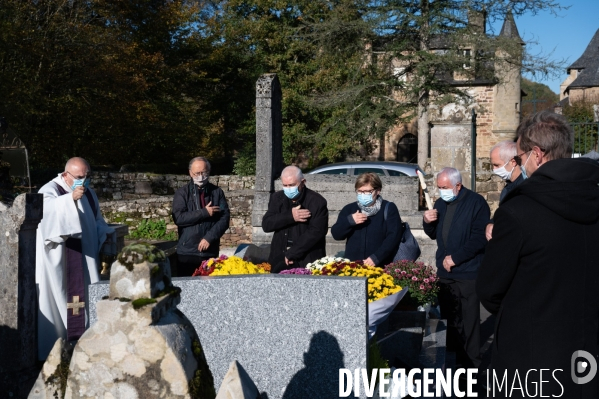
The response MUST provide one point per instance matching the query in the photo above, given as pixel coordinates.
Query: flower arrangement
(224, 265)
(380, 284)
(264, 266)
(327, 260)
(297, 270)
(420, 279)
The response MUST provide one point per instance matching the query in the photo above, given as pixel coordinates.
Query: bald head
(76, 168)
(292, 172)
(77, 164)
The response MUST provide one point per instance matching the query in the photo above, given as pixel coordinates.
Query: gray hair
(293, 170)
(200, 159)
(507, 150)
(452, 174)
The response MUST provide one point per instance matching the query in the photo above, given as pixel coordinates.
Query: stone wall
(131, 197)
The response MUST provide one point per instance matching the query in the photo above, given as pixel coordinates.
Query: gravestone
(290, 333)
(269, 148)
(18, 302)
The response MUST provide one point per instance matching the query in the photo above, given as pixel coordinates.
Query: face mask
(503, 173)
(447, 195)
(523, 168)
(365, 199)
(80, 182)
(200, 180)
(291, 192)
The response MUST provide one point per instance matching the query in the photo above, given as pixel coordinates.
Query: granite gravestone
(18, 302)
(290, 333)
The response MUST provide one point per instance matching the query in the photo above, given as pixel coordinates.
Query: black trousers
(187, 264)
(461, 308)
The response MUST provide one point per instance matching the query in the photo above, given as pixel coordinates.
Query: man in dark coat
(201, 213)
(540, 273)
(458, 223)
(503, 163)
(299, 218)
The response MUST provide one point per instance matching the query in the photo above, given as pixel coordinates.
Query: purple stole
(75, 279)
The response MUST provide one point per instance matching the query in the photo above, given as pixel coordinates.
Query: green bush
(153, 230)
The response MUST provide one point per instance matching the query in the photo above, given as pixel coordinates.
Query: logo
(580, 367)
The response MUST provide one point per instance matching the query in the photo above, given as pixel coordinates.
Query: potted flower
(420, 279)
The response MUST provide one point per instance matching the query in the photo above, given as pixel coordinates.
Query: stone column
(450, 141)
(269, 148)
(18, 302)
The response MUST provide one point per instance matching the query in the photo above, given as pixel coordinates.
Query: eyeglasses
(205, 174)
(518, 158)
(365, 192)
(77, 178)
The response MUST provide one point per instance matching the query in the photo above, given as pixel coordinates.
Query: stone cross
(269, 148)
(18, 302)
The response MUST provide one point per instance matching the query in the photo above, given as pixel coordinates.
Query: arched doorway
(407, 148)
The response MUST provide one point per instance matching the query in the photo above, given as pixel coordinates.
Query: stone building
(582, 83)
(497, 104)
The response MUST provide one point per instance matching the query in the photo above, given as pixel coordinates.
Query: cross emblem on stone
(75, 305)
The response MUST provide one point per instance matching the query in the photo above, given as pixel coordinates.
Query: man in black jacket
(540, 273)
(201, 212)
(458, 223)
(503, 163)
(299, 218)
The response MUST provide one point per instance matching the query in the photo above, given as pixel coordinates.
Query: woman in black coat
(372, 226)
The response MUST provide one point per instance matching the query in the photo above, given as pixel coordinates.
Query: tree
(114, 82)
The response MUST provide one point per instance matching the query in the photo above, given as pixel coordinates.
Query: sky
(567, 35)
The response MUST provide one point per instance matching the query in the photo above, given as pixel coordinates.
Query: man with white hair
(69, 240)
(458, 223)
(505, 166)
(299, 218)
(202, 216)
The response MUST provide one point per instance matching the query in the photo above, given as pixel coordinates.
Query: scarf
(372, 209)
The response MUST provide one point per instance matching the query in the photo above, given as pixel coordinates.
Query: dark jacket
(376, 238)
(510, 186)
(466, 240)
(195, 222)
(307, 239)
(540, 273)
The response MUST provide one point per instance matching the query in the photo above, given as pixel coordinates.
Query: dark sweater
(466, 240)
(376, 238)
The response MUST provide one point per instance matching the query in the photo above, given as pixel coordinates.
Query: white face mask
(503, 173)
(200, 180)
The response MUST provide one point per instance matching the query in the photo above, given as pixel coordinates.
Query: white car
(382, 168)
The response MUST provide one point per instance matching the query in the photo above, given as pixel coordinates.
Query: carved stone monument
(141, 346)
(269, 148)
(18, 302)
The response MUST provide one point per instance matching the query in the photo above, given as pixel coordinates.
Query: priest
(69, 240)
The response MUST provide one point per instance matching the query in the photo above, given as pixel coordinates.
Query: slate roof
(509, 28)
(589, 65)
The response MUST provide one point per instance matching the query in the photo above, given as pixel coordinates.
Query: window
(467, 55)
(378, 171)
(395, 173)
(333, 172)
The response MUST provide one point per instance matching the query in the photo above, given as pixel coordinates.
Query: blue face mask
(365, 199)
(80, 182)
(291, 192)
(447, 195)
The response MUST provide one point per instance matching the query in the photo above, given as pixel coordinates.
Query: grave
(18, 311)
(287, 331)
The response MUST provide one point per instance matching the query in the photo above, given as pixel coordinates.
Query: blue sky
(567, 35)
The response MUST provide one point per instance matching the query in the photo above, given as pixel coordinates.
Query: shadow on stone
(320, 376)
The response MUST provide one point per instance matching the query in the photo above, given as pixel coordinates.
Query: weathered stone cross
(75, 305)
